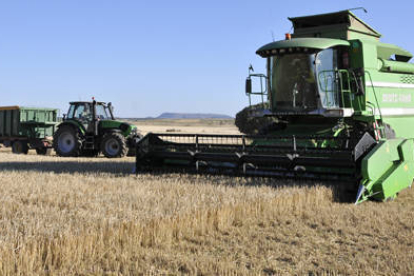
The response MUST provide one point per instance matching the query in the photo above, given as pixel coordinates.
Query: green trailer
(24, 128)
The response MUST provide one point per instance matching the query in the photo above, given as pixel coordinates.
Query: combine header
(338, 107)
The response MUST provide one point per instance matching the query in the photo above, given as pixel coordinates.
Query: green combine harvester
(338, 106)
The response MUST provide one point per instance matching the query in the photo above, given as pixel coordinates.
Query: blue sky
(149, 57)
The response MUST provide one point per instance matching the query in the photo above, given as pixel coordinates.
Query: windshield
(292, 82)
(82, 111)
(301, 81)
(103, 113)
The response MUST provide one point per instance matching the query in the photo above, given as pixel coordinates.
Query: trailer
(24, 128)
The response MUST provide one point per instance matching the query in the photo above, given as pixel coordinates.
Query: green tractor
(90, 128)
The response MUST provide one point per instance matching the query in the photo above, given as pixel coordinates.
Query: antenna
(359, 8)
(273, 36)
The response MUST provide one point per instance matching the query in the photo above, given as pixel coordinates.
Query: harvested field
(91, 216)
(217, 126)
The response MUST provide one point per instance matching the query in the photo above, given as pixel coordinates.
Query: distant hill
(170, 115)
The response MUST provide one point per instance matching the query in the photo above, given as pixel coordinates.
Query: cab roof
(299, 44)
(80, 102)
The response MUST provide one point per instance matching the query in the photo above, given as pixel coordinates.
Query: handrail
(340, 86)
(375, 95)
(263, 88)
(378, 106)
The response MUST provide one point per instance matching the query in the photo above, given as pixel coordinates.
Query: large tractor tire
(67, 142)
(113, 145)
(20, 147)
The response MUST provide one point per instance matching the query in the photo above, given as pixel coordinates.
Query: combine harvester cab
(340, 105)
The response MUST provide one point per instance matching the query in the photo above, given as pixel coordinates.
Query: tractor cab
(85, 111)
(89, 113)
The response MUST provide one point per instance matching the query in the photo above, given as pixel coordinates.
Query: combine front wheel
(114, 145)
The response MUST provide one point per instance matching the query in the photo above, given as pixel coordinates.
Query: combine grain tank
(341, 106)
(24, 128)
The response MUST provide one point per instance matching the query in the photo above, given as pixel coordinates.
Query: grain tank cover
(299, 45)
(340, 25)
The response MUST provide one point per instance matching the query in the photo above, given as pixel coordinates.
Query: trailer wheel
(20, 147)
(67, 141)
(44, 151)
(113, 145)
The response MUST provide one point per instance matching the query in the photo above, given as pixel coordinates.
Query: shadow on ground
(115, 168)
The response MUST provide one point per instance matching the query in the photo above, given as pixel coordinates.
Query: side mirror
(248, 85)
(64, 117)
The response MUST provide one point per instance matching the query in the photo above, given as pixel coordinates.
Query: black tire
(67, 142)
(113, 145)
(248, 122)
(389, 131)
(44, 151)
(20, 147)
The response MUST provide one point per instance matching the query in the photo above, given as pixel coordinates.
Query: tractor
(90, 128)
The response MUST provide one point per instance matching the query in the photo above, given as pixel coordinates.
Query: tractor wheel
(67, 141)
(44, 151)
(113, 145)
(20, 147)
